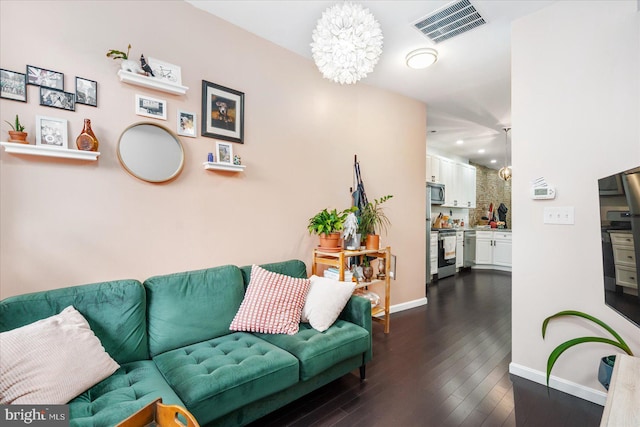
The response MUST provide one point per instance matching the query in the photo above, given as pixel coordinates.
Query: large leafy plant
(327, 222)
(555, 354)
(373, 218)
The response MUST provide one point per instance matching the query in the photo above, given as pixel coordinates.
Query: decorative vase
(382, 265)
(20, 137)
(605, 370)
(373, 242)
(367, 272)
(330, 242)
(87, 141)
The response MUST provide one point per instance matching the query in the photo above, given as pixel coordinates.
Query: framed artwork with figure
(222, 112)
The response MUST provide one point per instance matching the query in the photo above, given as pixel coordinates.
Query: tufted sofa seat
(171, 337)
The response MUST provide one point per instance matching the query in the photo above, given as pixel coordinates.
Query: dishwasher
(469, 249)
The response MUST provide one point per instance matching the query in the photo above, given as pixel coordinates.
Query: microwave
(435, 193)
(611, 185)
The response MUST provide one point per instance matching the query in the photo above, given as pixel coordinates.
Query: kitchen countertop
(472, 229)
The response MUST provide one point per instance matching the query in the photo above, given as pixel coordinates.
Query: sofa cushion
(34, 357)
(128, 390)
(318, 351)
(116, 312)
(190, 307)
(293, 268)
(219, 375)
(325, 301)
(272, 304)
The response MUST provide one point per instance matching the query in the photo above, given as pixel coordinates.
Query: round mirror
(150, 152)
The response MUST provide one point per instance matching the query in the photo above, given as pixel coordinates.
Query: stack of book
(334, 273)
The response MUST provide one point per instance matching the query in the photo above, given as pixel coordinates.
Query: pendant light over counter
(505, 172)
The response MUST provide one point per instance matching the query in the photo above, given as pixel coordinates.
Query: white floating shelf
(151, 82)
(40, 150)
(223, 167)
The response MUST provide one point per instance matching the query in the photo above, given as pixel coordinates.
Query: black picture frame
(55, 98)
(13, 85)
(86, 92)
(37, 76)
(222, 113)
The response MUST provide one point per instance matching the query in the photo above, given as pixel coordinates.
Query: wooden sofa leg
(362, 372)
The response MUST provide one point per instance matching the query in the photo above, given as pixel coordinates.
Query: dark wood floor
(443, 364)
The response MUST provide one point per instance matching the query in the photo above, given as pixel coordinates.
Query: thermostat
(543, 193)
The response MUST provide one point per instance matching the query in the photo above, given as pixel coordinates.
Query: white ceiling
(467, 91)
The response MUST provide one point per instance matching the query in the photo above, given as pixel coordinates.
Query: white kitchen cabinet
(433, 169)
(459, 249)
(493, 248)
(447, 177)
(484, 247)
(502, 248)
(469, 186)
(459, 180)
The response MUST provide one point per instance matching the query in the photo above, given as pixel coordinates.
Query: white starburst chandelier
(347, 43)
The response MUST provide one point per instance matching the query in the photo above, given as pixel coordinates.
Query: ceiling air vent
(454, 19)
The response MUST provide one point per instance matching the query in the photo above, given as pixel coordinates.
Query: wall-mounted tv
(620, 233)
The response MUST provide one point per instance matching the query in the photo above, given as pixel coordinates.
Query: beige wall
(575, 108)
(64, 223)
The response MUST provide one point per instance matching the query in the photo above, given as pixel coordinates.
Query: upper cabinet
(459, 180)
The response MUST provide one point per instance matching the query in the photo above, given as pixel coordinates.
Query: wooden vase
(367, 272)
(87, 141)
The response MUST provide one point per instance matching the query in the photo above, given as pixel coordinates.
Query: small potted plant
(17, 133)
(372, 220)
(327, 225)
(606, 363)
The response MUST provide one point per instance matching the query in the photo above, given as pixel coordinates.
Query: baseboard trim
(574, 389)
(490, 267)
(406, 306)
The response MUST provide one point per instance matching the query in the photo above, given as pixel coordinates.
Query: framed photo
(13, 85)
(40, 77)
(51, 132)
(165, 71)
(222, 113)
(187, 124)
(86, 92)
(57, 98)
(224, 151)
(151, 107)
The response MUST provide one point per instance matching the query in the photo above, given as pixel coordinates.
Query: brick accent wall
(490, 189)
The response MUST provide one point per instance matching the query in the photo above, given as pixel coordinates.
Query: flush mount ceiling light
(505, 172)
(347, 43)
(422, 58)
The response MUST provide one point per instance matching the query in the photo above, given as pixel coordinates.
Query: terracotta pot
(20, 137)
(373, 241)
(330, 241)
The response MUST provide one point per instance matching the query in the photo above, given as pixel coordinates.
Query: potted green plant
(327, 225)
(606, 363)
(17, 133)
(373, 220)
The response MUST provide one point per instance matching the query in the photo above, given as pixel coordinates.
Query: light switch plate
(559, 215)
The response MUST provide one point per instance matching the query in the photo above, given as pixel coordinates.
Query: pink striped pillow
(272, 304)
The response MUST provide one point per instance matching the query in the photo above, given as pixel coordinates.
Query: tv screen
(620, 234)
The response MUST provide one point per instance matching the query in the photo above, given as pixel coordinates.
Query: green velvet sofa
(171, 337)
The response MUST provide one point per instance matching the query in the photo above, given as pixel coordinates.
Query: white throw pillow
(51, 361)
(325, 301)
